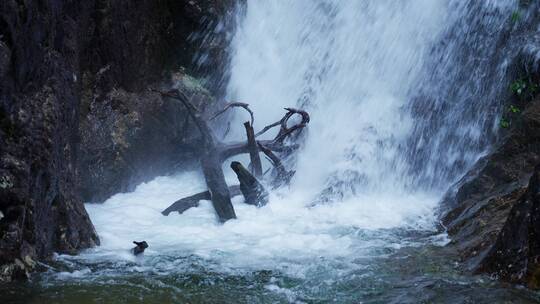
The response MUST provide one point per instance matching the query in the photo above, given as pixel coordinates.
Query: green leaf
(514, 109)
(504, 123)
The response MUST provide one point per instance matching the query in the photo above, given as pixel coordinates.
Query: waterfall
(400, 92)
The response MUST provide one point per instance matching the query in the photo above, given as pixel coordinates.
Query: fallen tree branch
(253, 191)
(283, 176)
(233, 105)
(193, 201)
(284, 130)
(232, 149)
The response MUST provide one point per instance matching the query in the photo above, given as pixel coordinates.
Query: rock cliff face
(75, 114)
(129, 137)
(515, 256)
(492, 222)
(39, 108)
(490, 213)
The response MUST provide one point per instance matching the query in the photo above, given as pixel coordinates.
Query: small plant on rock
(504, 123)
(513, 109)
(518, 87)
(524, 88)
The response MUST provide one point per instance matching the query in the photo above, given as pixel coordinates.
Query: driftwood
(282, 175)
(216, 152)
(186, 203)
(253, 148)
(284, 130)
(254, 193)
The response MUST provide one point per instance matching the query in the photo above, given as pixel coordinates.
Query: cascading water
(398, 101)
(396, 119)
(351, 65)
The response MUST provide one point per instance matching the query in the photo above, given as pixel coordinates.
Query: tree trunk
(256, 165)
(215, 180)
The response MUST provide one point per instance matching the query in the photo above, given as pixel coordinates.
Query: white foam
(284, 230)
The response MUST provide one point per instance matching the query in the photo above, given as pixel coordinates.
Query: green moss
(504, 123)
(524, 87)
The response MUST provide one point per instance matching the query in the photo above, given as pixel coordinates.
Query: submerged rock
(139, 249)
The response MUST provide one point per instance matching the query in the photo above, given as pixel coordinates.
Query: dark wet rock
(508, 167)
(476, 210)
(139, 248)
(127, 134)
(515, 256)
(131, 137)
(39, 101)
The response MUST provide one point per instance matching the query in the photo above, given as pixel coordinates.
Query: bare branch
(284, 130)
(234, 105)
(229, 150)
(277, 123)
(283, 176)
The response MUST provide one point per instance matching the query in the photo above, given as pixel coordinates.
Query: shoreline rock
(480, 212)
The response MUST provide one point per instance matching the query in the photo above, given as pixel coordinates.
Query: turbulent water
(397, 95)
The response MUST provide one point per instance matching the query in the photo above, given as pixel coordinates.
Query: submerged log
(186, 203)
(253, 191)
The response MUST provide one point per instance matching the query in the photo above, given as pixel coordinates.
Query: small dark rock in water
(141, 246)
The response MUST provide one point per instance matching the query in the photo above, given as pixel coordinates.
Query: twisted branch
(284, 130)
(235, 105)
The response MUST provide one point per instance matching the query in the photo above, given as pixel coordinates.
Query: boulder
(515, 256)
(39, 101)
(477, 208)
